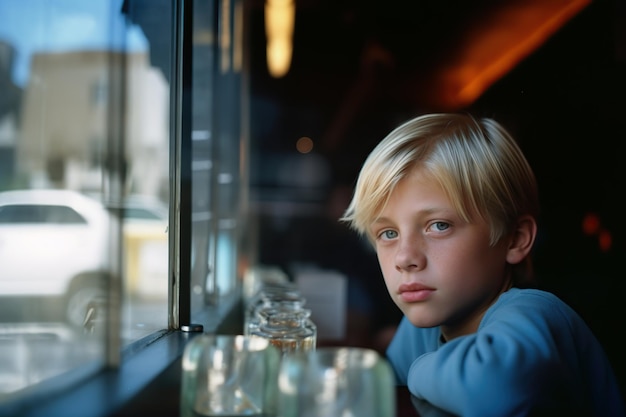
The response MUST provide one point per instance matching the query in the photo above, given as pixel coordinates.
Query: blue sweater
(532, 354)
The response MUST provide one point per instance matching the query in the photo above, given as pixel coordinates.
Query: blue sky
(64, 25)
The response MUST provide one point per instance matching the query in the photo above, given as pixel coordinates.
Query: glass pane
(84, 142)
(216, 150)
(145, 205)
(204, 162)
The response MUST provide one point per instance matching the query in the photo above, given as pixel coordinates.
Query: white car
(55, 245)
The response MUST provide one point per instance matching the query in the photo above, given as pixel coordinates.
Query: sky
(64, 25)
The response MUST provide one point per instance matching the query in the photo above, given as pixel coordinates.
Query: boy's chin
(421, 320)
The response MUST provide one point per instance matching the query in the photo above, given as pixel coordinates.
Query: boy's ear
(522, 239)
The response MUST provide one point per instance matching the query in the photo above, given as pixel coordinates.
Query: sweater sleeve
(409, 343)
(510, 364)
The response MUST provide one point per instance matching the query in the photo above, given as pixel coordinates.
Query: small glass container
(271, 305)
(285, 298)
(288, 330)
(229, 375)
(336, 381)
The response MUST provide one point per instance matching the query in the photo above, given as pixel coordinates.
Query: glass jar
(274, 298)
(288, 330)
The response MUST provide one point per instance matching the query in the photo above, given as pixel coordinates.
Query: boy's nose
(409, 257)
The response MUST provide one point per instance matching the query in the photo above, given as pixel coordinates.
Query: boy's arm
(522, 354)
(409, 343)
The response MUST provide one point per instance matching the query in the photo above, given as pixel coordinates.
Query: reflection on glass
(204, 163)
(216, 152)
(84, 133)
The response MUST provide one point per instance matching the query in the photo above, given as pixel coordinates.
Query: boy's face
(439, 269)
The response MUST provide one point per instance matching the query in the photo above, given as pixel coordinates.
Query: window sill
(146, 383)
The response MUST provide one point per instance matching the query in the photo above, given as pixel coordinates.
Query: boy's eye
(389, 234)
(440, 226)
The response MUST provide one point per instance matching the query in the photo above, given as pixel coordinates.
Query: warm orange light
(495, 45)
(304, 144)
(280, 18)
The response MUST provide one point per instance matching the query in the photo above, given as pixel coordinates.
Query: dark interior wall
(565, 104)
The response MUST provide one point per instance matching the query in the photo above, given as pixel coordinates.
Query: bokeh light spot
(605, 240)
(591, 224)
(304, 144)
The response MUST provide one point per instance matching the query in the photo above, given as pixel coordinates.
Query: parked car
(55, 245)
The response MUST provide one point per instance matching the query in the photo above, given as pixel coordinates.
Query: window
(131, 190)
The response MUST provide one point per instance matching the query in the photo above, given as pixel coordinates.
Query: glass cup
(336, 382)
(229, 375)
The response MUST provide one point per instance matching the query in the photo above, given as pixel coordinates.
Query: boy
(451, 206)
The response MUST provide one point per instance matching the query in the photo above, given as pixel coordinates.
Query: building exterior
(67, 120)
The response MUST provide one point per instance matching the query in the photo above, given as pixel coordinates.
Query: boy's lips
(414, 291)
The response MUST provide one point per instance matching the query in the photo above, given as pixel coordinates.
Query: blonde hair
(478, 164)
